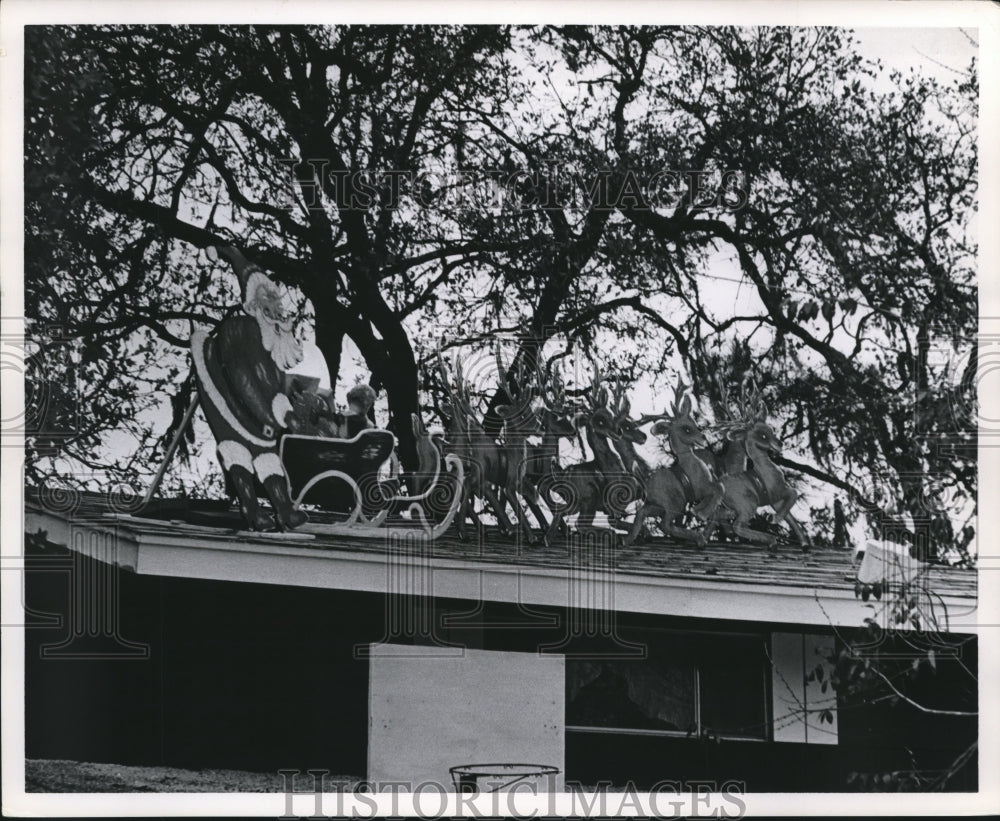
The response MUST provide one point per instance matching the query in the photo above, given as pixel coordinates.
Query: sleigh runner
(355, 482)
(345, 477)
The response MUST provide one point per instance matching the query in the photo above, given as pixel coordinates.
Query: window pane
(655, 693)
(733, 690)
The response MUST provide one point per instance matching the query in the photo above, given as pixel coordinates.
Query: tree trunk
(394, 367)
(389, 359)
(330, 341)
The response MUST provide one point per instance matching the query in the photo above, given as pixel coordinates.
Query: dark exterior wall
(254, 677)
(263, 677)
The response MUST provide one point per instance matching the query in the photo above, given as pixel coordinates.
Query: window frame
(764, 638)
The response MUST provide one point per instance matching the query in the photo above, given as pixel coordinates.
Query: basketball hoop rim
(502, 769)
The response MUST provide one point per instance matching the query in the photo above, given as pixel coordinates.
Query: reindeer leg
(554, 527)
(640, 518)
(516, 491)
(522, 518)
(800, 534)
(558, 525)
(499, 511)
(784, 504)
(643, 535)
(667, 497)
(463, 511)
(539, 516)
(467, 508)
(670, 513)
(707, 506)
(708, 510)
(588, 509)
(741, 524)
(585, 522)
(683, 533)
(782, 511)
(531, 498)
(742, 528)
(743, 502)
(720, 514)
(586, 518)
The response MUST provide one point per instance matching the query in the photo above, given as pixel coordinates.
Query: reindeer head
(524, 387)
(553, 411)
(759, 433)
(747, 420)
(421, 433)
(680, 426)
(628, 428)
(458, 407)
(761, 436)
(598, 418)
(555, 422)
(601, 422)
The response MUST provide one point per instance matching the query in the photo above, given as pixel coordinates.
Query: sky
(937, 52)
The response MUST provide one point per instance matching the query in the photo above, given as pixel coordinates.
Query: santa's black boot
(241, 483)
(277, 491)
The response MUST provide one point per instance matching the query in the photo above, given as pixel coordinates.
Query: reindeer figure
(483, 459)
(630, 433)
(588, 482)
(552, 423)
(689, 480)
(752, 479)
(730, 457)
(522, 420)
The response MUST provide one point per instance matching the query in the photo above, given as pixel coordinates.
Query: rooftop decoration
(278, 436)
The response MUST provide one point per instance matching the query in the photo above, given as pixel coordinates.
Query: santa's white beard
(263, 303)
(280, 342)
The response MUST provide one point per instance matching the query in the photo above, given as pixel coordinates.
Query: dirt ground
(77, 776)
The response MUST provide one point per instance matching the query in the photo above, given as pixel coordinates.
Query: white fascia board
(273, 559)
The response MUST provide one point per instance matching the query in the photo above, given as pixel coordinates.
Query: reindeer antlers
(681, 405)
(598, 394)
(745, 410)
(751, 404)
(553, 389)
(460, 394)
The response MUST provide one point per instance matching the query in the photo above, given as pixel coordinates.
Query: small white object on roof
(884, 561)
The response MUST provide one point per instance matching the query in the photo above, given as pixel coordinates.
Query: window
(686, 684)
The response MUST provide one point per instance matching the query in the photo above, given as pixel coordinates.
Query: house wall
(264, 677)
(254, 677)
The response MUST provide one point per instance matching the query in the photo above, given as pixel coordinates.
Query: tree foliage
(844, 239)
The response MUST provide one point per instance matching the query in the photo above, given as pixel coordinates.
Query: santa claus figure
(240, 368)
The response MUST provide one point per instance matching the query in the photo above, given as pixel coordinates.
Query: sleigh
(356, 483)
(349, 487)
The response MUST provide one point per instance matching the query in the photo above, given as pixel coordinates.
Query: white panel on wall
(428, 713)
(796, 702)
(816, 649)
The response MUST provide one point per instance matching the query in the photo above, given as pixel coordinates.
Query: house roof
(720, 581)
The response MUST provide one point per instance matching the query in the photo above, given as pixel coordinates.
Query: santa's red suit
(240, 368)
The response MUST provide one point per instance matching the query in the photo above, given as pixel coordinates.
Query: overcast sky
(934, 51)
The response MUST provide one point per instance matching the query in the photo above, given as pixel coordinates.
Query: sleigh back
(335, 474)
